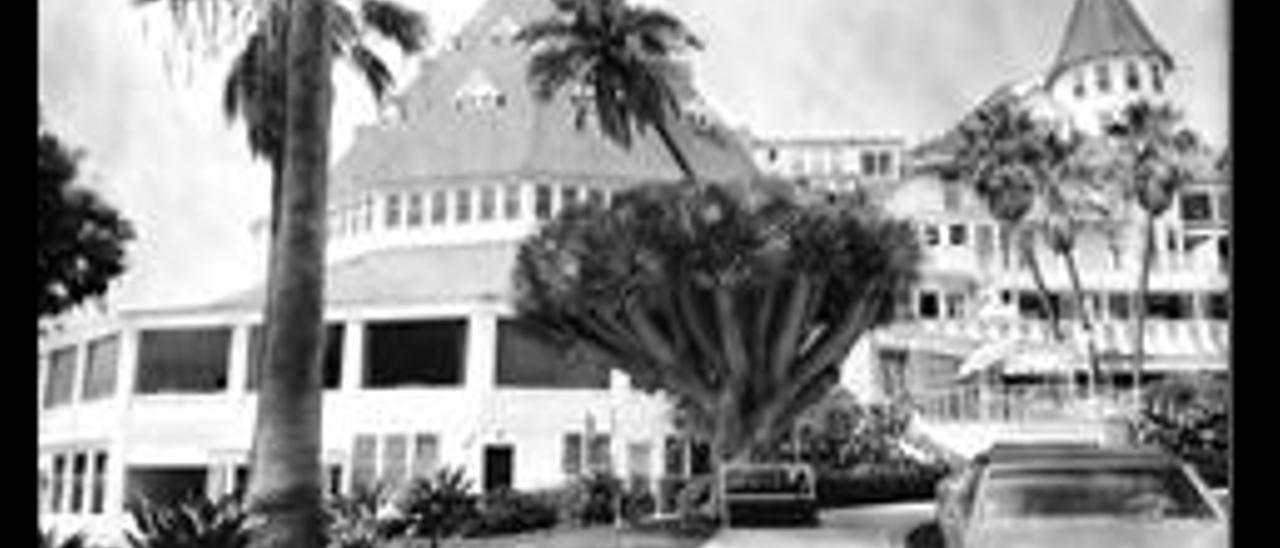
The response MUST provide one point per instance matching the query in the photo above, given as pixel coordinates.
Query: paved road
(875, 526)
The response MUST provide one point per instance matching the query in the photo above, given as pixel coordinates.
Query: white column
(117, 447)
(238, 363)
(78, 372)
(352, 355)
(482, 351)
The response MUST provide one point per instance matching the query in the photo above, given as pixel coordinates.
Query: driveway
(873, 526)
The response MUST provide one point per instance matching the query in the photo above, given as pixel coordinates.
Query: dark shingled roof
(1105, 27)
(434, 142)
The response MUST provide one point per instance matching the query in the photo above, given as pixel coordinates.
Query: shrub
(435, 508)
(507, 512)
(1190, 418)
(876, 483)
(48, 539)
(591, 499)
(194, 523)
(354, 521)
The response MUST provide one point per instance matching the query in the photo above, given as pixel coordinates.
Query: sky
(112, 82)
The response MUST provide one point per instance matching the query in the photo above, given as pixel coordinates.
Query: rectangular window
(959, 234)
(1217, 306)
(931, 235)
(511, 201)
(568, 196)
(868, 164)
(364, 463)
(1196, 207)
(598, 457)
(488, 203)
(928, 305)
(439, 207)
(595, 197)
(951, 197)
(1169, 306)
(542, 201)
(100, 368)
(955, 305)
(332, 367)
(885, 164)
(368, 213)
(638, 456)
(79, 465)
(426, 452)
(60, 379)
(1103, 74)
(1131, 77)
(1119, 306)
(673, 451)
(393, 211)
(395, 452)
(462, 211)
(183, 360)
(59, 481)
(415, 353)
(571, 454)
(414, 216)
(1078, 87)
(528, 359)
(1157, 78)
(1224, 207)
(984, 236)
(98, 491)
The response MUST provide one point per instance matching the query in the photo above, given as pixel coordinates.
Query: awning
(1020, 357)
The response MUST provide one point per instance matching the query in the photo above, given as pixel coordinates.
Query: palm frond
(404, 26)
(552, 69)
(546, 30)
(372, 68)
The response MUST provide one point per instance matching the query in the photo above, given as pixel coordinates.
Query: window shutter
(571, 461)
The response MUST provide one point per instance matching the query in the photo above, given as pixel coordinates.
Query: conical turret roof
(440, 140)
(1103, 28)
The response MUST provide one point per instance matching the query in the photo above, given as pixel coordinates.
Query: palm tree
(300, 36)
(620, 54)
(999, 150)
(1153, 156)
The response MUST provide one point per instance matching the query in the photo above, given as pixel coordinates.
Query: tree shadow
(925, 535)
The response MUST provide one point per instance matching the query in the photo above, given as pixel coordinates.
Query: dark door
(499, 461)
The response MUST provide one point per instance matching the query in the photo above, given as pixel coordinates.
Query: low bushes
(1190, 418)
(878, 483)
(507, 512)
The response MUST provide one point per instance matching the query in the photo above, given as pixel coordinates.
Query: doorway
(499, 461)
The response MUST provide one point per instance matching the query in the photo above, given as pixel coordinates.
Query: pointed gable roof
(436, 141)
(1105, 27)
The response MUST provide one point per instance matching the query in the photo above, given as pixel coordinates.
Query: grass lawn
(593, 537)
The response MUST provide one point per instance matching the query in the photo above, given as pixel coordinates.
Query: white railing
(1177, 337)
(1047, 402)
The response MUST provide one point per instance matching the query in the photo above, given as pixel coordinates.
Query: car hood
(1111, 533)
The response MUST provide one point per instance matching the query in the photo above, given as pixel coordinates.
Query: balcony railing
(1048, 402)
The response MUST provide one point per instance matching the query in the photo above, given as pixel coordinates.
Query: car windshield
(1137, 492)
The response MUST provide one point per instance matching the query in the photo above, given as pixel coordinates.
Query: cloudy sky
(111, 81)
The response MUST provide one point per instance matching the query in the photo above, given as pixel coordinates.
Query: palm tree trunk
(285, 485)
(677, 154)
(1077, 291)
(1033, 264)
(1140, 313)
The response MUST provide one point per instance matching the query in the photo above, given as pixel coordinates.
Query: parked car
(1078, 495)
(769, 494)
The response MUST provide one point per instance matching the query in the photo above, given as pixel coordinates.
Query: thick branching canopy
(81, 239)
(741, 301)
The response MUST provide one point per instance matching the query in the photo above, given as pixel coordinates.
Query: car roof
(1071, 454)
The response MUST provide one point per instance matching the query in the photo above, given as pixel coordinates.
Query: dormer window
(1078, 88)
(1103, 74)
(1131, 78)
(478, 94)
(503, 32)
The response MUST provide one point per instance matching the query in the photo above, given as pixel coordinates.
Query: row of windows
(819, 162)
(1132, 74)
(391, 459)
(396, 354)
(1115, 306)
(98, 380)
(75, 483)
(460, 206)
